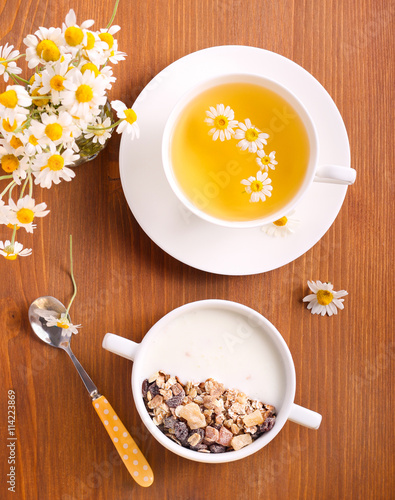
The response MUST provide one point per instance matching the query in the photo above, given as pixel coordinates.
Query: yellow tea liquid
(210, 172)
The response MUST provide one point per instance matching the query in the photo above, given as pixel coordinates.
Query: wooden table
(344, 364)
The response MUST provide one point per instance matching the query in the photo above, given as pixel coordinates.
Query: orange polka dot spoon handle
(128, 450)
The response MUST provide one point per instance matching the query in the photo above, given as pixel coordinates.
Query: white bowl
(244, 348)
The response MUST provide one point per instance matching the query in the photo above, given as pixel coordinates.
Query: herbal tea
(239, 151)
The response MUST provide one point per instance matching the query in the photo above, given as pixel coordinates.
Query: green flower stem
(5, 177)
(12, 183)
(113, 14)
(107, 128)
(15, 58)
(30, 184)
(72, 278)
(10, 192)
(13, 236)
(23, 187)
(14, 76)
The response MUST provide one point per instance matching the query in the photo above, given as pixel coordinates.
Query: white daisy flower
(107, 73)
(32, 146)
(24, 211)
(61, 321)
(51, 167)
(53, 78)
(84, 94)
(102, 134)
(266, 161)
(251, 137)
(75, 34)
(7, 66)
(56, 129)
(283, 226)
(12, 163)
(44, 46)
(222, 121)
(324, 300)
(11, 252)
(128, 117)
(13, 104)
(258, 186)
(94, 48)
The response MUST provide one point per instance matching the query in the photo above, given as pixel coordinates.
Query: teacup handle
(335, 174)
(303, 416)
(121, 346)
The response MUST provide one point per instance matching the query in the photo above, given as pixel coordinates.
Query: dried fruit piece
(225, 436)
(240, 441)
(181, 431)
(211, 435)
(254, 418)
(217, 448)
(192, 414)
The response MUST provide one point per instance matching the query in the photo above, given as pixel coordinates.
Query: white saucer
(190, 239)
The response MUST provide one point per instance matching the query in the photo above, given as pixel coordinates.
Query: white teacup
(335, 174)
(224, 340)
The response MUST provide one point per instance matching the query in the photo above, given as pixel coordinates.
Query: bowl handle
(335, 174)
(305, 417)
(121, 346)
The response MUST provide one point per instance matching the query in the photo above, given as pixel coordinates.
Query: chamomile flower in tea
(258, 187)
(266, 161)
(222, 121)
(251, 137)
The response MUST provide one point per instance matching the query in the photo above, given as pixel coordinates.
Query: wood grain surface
(344, 364)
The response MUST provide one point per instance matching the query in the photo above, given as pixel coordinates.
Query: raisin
(169, 422)
(181, 431)
(217, 448)
(175, 400)
(145, 388)
(153, 389)
(267, 425)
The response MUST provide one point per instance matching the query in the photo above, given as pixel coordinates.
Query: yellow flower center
(265, 160)
(324, 297)
(3, 62)
(25, 215)
(106, 37)
(55, 162)
(251, 135)
(90, 41)
(39, 102)
(91, 67)
(256, 186)
(9, 99)
(130, 116)
(8, 127)
(32, 79)
(221, 122)
(9, 163)
(54, 131)
(33, 140)
(281, 222)
(73, 36)
(15, 142)
(10, 255)
(84, 93)
(12, 226)
(62, 323)
(56, 83)
(48, 51)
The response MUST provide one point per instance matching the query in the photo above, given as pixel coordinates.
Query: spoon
(55, 336)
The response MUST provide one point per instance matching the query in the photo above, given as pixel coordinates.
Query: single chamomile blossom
(111, 52)
(75, 34)
(259, 186)
(222, 121)
(7, 66)
(56, 129)
(128, 117)
(266, 161)
(101, 131)
(24, 211)
(44, 46)
(251, 137)
(51, 167)
(84, 95)
(12, 251)
(282, 227)
(53, 78)
(324, 300)
(61, 321)
(13, 164)
(13, 103)
(32, 146)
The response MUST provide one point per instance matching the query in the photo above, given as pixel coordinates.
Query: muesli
(205, 417)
